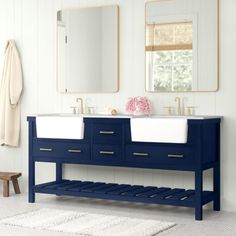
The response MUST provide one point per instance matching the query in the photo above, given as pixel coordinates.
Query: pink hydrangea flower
(138, 106)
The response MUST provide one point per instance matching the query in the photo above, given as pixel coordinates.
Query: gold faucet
(178, 100)
(81, 104)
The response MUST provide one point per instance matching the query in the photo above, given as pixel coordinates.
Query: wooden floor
(214, 223)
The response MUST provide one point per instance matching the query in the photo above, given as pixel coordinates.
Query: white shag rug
(87, 224)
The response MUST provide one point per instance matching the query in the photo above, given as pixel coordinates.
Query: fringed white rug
(87, 224)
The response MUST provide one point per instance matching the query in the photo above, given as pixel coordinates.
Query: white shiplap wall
(32, 23)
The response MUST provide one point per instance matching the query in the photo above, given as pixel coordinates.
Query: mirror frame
(117, 49)
(217, 52)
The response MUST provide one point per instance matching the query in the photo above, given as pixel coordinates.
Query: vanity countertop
(197, 117)
(85, 115)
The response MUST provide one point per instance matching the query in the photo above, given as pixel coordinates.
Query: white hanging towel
(10, 92)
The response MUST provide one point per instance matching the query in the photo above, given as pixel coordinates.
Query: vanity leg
(31, 165)
(31, 192)
(198, 194)
(58, 171)
(216, 183)
(216, 174)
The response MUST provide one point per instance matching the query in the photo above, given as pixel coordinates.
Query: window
(170, 56)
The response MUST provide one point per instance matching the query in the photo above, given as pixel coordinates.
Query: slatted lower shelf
(124, 192)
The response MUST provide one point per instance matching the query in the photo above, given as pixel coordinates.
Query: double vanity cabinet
(107, 142)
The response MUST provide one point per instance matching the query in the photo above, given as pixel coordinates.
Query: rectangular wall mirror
(88, 50)
(181, 47)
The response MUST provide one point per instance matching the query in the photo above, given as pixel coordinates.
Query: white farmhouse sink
(60, 127)
(159, 129)
(154, 128)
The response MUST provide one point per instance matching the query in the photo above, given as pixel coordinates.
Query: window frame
(174, 19)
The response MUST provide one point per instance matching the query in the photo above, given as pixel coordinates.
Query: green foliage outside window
(172, 70)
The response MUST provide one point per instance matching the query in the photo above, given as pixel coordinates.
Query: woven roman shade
(169, 36)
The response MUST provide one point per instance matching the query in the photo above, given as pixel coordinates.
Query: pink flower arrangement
(138, 106)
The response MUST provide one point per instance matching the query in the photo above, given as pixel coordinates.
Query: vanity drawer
(106, 153)
(75, 151)
(50, 149)
(107, 133)
(159, 155)
(46, 149)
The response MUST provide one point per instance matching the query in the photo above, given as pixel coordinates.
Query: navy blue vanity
(107, 142)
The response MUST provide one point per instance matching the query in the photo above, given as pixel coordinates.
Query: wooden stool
(10, 176)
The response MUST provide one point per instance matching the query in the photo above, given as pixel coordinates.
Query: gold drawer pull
(107, 153)
(45, 149)
(74, 150)
(106, 132)
(175, 155)
(141, 154)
